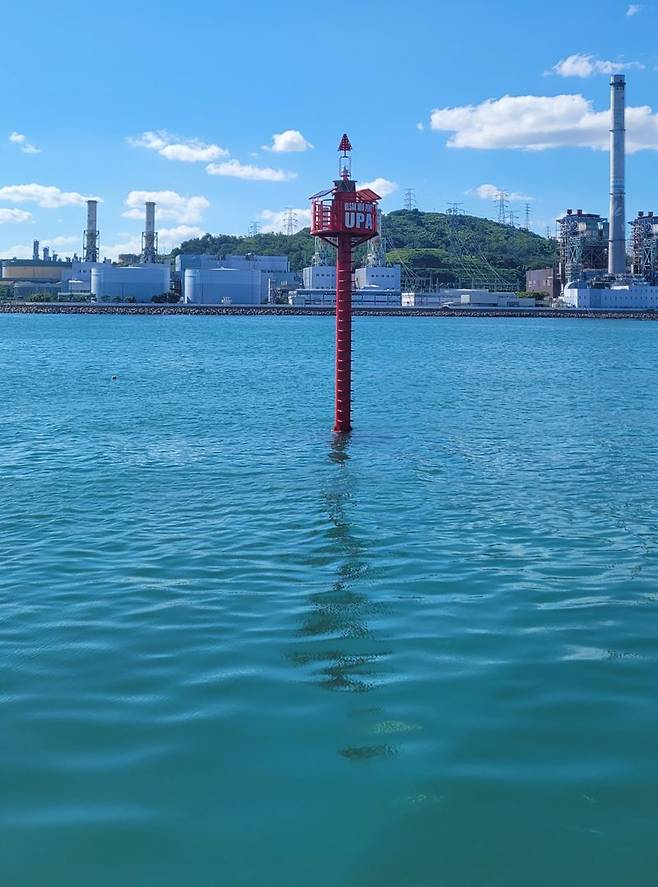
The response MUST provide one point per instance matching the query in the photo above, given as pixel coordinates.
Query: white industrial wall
(140, 282)
(215, 286)
(385, 276)
(370, 297)
(616, 298)
(319, 277)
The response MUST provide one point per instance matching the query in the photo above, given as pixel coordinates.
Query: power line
(254, 229)
(527, 216)
(455, 209)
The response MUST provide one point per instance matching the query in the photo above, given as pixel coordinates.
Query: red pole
(343, 422)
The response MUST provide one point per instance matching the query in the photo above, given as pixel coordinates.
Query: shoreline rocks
(297, 311)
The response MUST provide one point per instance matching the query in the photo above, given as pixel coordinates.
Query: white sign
(359, 216)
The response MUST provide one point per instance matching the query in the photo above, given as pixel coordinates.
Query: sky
(228, 114)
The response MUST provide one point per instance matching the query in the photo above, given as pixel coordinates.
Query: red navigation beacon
(344, 217)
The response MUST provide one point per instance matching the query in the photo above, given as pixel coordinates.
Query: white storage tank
(223, 286)
(139, 282)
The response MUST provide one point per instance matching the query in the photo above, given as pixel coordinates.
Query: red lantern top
(349, 211)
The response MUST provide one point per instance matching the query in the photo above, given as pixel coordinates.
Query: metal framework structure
(289, 222)
(645, 246)
(582, 243)
(410, 199)
(502, 203)
(344, 218)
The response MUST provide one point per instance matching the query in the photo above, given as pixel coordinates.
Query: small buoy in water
(114, 378)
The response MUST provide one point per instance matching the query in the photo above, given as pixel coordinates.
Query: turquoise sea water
(234, 651)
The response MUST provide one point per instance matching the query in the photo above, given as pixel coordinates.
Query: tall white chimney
(90, 244)
(617, 241)
(149, 237)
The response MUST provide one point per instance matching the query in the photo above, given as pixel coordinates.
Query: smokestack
(617, 242)
(90, 245)
(149, 237)
(35, 250)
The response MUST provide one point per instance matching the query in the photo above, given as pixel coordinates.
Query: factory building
(49, 270)
(139, 282)
(384, 276)
(317, 277)
(23, 289)
(633, 294)
(543, 280)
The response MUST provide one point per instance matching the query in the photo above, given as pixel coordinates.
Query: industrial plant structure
(72, 278)
(586, 283)
(375, 284)
(645, 246)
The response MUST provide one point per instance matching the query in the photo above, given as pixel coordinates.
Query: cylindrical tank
(216, 286)
(139, 282)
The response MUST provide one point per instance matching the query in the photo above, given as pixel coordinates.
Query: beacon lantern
(345, 218)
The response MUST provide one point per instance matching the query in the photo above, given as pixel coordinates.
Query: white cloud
(536, 123)
(168, 238)
(383, 187)
(17, 138)
(289, 140)
(237, 170)
(420, 126)
(46, 196)
(176, 148)
(582, 65)
(170, 206)
(14, 215)
(492, 192)
(276, 221)
(62, 245)
(633, 9)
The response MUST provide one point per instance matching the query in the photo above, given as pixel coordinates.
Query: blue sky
(115, 100)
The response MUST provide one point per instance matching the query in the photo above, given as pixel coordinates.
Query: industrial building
(543, 280)
(376, 284)
(616, 288)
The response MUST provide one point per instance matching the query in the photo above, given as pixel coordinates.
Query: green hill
(433, 248)
(464, 250)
